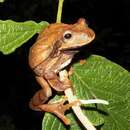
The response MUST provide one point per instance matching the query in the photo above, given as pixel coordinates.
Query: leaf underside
(103, 79)
(14, 34)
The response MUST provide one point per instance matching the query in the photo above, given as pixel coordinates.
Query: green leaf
(2, 1)
(103, 79)
(14, 34)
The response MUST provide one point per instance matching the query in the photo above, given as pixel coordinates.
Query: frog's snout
(90, 34)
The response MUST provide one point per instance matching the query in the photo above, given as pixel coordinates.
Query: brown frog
(53, 51)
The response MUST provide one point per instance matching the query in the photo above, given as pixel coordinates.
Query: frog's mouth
(74, 49)
(71, 50)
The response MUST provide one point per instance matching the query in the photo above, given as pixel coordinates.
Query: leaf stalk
(59, 12)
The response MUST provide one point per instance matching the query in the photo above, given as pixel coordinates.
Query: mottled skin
(54, 50)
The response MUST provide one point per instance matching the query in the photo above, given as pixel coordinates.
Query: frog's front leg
(55, 81)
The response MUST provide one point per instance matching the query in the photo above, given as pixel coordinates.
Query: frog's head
(60, 37)
(77, 35)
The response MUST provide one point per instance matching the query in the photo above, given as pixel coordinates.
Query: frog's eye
(67, 35)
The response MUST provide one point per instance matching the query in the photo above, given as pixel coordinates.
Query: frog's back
(44, 44)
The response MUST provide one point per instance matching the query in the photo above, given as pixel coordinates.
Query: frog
(52, 52)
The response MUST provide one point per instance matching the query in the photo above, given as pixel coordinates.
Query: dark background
(109, 18)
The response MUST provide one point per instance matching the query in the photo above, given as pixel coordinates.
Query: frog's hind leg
(58, 108)
(40, 96)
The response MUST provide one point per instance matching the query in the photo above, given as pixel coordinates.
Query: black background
(109, 18)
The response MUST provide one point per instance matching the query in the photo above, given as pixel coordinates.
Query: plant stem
(76, 108)
(78, 111)
(59, 12)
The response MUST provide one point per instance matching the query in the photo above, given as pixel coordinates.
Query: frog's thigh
(45, 86)
(42, 95)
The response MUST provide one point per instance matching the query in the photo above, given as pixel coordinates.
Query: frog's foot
(58, 109)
